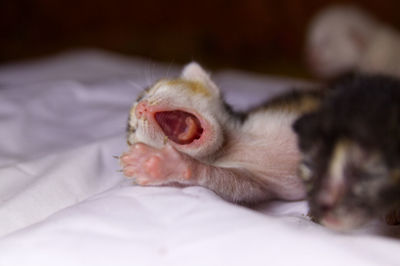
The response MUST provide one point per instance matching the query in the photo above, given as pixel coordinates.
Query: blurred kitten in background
(344, 38)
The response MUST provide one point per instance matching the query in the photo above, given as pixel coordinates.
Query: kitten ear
(194, 72)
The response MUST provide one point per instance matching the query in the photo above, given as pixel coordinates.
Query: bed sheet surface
(62, 201)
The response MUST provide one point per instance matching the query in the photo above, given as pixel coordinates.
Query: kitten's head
(337, 39)
(350, 155)
(188, 112)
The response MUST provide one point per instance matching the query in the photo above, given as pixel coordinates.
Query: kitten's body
(382, 55)
(351, 152)
(342, 39)
(244, 158)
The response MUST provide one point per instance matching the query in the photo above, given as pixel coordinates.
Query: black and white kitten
(351, 153)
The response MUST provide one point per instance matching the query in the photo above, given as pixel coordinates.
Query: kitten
(344, 38)
(351, 153)
(181, 131)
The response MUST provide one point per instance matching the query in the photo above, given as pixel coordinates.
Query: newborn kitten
(343, 38)
(181, 131)
(351, 153)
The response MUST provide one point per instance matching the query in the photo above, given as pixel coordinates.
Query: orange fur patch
(194, 86)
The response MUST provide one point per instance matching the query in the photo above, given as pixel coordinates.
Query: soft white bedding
(62, 201)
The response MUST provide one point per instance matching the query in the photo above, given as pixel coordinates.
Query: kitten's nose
(326, 200)
(325, 207)
(141, 109)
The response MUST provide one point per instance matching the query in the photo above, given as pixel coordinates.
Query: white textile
(62, 201)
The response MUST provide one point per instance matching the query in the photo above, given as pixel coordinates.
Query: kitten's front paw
(151, 166)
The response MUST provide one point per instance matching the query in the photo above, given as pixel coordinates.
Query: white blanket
(62, 201)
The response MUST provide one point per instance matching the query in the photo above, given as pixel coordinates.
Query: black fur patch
(364, 110)
(240, 116)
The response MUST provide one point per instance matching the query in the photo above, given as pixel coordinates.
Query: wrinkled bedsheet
(63, 201)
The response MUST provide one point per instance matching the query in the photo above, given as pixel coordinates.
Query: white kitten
(181, 131)
(342, 39)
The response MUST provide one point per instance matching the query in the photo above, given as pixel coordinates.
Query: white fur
(344, 38)
(253, 161)
(194, 72)
(179, 97)
(383, 53)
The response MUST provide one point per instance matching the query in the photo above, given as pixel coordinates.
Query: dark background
(256, 35)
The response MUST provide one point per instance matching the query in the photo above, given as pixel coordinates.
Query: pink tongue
(179, 126)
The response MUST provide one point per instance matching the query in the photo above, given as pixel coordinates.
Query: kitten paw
(151, 166)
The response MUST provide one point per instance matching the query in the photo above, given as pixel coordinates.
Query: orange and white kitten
(182, 131)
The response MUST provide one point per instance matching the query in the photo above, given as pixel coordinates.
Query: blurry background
(265, 36)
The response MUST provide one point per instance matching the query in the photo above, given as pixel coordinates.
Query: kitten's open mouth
(179, 126)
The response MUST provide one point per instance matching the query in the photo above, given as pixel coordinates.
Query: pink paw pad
(151, 166)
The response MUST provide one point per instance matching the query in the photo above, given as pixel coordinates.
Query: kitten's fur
(345, 38)
(244, 158)
(351, 152)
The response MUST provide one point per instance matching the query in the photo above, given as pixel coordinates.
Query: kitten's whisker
(136, 85)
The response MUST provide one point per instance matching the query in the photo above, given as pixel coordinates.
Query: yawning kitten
(181, 131)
